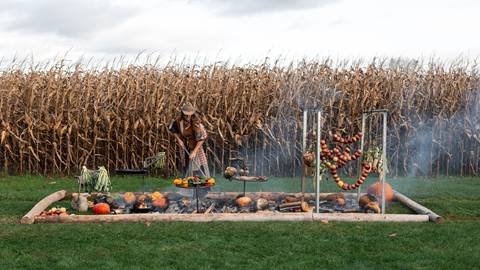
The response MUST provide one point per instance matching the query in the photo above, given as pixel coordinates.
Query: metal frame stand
(383, 175)
(196, 196)
(318, 177)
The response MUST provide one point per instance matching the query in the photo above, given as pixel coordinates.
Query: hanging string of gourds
(338, 157)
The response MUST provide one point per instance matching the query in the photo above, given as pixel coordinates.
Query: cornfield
(56, 119)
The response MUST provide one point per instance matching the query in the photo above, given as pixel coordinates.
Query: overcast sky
(239, 30)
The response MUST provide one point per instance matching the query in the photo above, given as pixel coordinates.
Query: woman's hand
(193, 154)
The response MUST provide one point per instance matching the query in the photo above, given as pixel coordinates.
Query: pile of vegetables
(55, 211)
(94, 180)
(193, 181)
(128, 201)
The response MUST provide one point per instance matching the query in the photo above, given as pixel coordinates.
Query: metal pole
(304, 146)
(317, 162)
(362, 141)
(384, 160)
(196, 196)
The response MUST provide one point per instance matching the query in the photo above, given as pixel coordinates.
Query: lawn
(281, 245)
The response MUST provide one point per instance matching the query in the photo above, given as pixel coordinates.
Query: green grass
(18, 194)
(281, 245)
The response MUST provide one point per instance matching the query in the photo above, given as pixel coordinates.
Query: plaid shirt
(190, 138)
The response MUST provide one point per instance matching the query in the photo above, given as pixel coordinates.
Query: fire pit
(225, 206)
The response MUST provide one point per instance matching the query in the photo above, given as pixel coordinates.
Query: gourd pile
(127, 202)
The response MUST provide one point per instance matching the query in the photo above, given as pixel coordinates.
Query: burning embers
(176, 203)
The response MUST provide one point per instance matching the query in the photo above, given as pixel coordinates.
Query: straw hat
(188, 109)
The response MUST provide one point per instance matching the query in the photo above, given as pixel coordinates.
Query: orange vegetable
(129, 197)
(156, 195)
(177, 181)
(376, 189)
(211, 182)
(160, 202)
(243, 201)
(101, 208)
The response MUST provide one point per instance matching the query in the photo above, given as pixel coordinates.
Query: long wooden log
(369, 217)
(276, 195)
(259, 216)
(264, 216)
(303, 206)
(418, 208)
(293, 206)
(29, 218)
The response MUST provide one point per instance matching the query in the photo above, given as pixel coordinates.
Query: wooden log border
(424, 216)
(418, 208)
(30, 217)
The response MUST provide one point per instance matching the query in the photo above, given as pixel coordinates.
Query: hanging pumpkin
(101, 208)
(376, 190)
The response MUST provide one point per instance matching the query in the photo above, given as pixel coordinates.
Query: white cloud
(68, 18)
(249, 31)
(249, 7)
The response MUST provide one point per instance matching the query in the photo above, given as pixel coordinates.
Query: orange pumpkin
(156, 195)
(129, 197)
(244, 201)
(101, 208)
(376, 190)
(160, 203)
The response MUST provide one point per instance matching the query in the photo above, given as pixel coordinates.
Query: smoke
(276, 148)
(443, 136)
(421, 148)
(430, 145)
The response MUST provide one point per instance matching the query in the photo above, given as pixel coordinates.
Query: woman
(191, 134)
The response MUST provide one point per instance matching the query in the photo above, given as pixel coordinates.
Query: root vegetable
(229, 172)
(261, 204)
